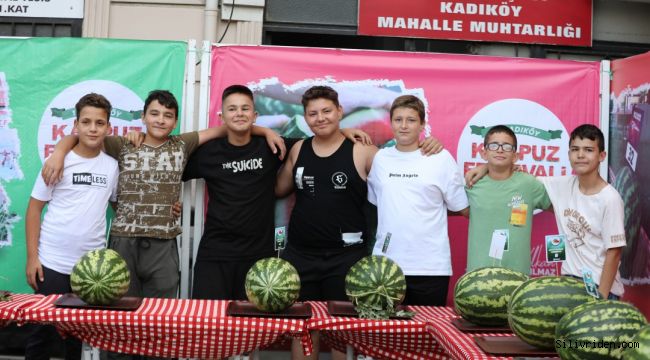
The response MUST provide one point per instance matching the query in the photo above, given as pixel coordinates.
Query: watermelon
(642, 350)
(538, 304)
(272, 284)
(481, 296)
(597, 330)
(100, 277)
(375, 285)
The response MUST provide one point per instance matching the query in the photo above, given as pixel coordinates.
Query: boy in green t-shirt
(502, 205)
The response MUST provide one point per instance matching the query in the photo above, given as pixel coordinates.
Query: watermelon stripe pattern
(272, 284)
(581, 330)
(642, 352)
(481, 296)
(100, 277)
(538, 304)
(377, 282)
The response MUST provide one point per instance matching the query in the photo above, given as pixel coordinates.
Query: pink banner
(542, 100)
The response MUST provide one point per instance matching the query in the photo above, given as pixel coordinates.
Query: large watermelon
(375, 285)
(597, 330)
(538, 304)
(481, 296)
(272, 284)
(641, 346)
(100, 277)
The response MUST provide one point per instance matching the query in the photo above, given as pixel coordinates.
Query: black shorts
(426, 290)
(220, 280)
(322, 275)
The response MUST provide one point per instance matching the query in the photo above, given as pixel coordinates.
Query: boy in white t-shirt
(589, 213)
(75, 221)
(413, 193)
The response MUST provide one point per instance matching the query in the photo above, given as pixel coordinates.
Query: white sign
(58, 118)
(72, 9)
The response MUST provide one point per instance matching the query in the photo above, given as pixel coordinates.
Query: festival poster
(629, 169)
(41, 79)
(541, 100)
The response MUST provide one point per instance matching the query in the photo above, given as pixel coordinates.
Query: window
(35, 27)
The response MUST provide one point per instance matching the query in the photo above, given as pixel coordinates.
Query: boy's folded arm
(53, 167)
(208, 134)
(474, 175)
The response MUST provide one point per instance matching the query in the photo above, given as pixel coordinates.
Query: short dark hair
(498, 129)
(94, 100)
(320, 92)
(591, 132)
(236, 89)
(165, 98)
(409, 102)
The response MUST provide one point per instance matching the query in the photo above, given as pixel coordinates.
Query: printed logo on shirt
(620, 238)
(402, 176)
(516, 201)
(339, 179)
(149, 161)
(89, 179)
(578, 225)
(243, 165)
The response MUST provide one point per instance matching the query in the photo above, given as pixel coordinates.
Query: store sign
(555, 22)
(73, 9)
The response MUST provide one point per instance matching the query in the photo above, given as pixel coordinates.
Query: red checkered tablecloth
(176, 328)
(459, 345)
(382, 339)
(11, 310)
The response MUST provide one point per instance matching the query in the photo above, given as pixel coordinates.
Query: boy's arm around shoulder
(53, 166)
(363, 156)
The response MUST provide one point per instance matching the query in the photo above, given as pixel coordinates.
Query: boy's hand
(430, 146)
(475, 174)
(357, 135)
(135, 137)
(177, 209)
(52, 171)
(34, 269)
(276, 143)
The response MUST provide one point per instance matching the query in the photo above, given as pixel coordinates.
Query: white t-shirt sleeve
(551, 184)
(454, 192)
(613, 222)
(114, 175)
(372, 183)
(41, 191)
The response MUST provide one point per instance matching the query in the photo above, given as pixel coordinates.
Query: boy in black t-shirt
(240, 173)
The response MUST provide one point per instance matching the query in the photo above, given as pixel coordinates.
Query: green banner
(37, 97)
(521, 130)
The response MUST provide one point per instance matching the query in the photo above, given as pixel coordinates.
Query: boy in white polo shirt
(413, 193)
(75, 221)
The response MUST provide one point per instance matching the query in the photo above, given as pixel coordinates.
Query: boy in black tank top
(327, 226)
